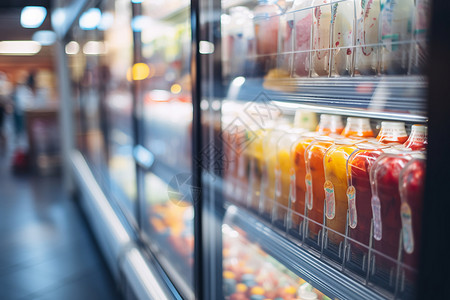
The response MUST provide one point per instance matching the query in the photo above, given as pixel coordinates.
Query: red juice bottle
(412, 187)
(418, 138)
(386, 203)
(359, 197)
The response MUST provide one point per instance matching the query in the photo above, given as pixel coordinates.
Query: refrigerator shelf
(388, 97)
(304, 264)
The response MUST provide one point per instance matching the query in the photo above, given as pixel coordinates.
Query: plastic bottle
(299, 190)
(392, 132)
(283, 173)
(386, 203)
(266, 22)
(321, 38)
(422, 20)
(335, 188)
(242, 34)
(269, 170)
(412, 188)
(357, 127)
(330, 124)
(418, 138)
(314, 180)
(342, 18)
(367, 39)
(256, 168)
(298, 35)
(359, 195)
(305, 119)
(396, 32)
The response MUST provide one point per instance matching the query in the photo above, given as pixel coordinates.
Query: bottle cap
(308, 296)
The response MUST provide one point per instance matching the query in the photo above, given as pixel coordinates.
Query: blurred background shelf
(304, 264)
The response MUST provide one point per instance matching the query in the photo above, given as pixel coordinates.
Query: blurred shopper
(23, 98)
(5, 107)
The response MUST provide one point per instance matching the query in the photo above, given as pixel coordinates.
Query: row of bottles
(326, 38)
(337, 188)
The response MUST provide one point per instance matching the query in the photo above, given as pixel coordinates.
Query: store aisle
(46, 249)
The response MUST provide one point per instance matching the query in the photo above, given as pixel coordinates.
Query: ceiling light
(32, 16)
(94, 48)
(72, 48)
(44, 37)
(90, 19)
(106, 21)
(19, 47)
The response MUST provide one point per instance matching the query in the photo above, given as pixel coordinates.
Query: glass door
(161, 74)
(321, 137)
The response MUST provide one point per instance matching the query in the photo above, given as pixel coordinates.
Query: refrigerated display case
(307, 195)
(274, 149)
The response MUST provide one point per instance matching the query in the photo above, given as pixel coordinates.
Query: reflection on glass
(117, 94)
(169, 221)
(164, 79)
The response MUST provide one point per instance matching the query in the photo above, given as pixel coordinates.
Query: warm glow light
(140, 71)
(44, 37)
(90, 19)
(72, 48)
(19, 47)
(32, 16)
(175, 88)
(94, 48)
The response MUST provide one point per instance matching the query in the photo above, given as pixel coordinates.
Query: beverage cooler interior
(261, 149)
(323, 136)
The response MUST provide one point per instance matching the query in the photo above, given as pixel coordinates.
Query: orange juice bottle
(392, 133)
(357, 127)
(335, 188)
(299, 188)
(330, 124)
(314, 181)
(268, 172)
(283, 174)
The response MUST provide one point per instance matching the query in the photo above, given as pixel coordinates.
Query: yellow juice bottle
(335, 188)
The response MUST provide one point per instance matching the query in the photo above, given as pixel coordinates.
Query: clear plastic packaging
(284, 173)
(297, 37)
(241, 33)
(358, 127)
(314, 181)
(298, 192)
(359, 195)
(266, 22)
(418, 139)
(321, 38)
(386, 208)
(367, 36)
(396, 35)
(392, 132)
(335, 187)
(256, 159)
(412, 189)
(330, 124)
(343, 16)
(269, 170)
